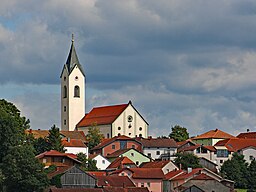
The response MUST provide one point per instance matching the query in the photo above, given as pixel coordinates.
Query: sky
(190, 63)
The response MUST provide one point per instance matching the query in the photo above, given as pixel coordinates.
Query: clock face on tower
(129, 118)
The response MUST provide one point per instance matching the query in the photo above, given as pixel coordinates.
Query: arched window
(65, 91)
(76, 91)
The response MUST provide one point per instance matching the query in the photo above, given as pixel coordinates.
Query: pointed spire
(72, 59)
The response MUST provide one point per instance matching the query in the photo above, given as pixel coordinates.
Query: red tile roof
(55, 153)
(126, 189)
(120, 162)
(248, 135)
(114, 181)
(102, 115)
(173, 174)
(155, 164)
(117, 153)
(106, 142)
(187, 175)
(236, 144)
(214, 134)
(76, 190)
(73, 143)
(192, 148)
(97, 173)
(147, 173)
(157, 142)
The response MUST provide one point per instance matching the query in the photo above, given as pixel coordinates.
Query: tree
(179, 133)
(20, 170)
(87, 164)
(23, 171)
(187, 160)
(94, 136)
(236, 169)
(12, 127)
(252, 176)
(54, 139)
(41, 145)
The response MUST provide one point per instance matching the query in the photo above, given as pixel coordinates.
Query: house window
(133, 146)
(137, 162)
(148, 183)
(140, 135)
(65, 122)
(132, 154)
(140, 128)
(108, 135)
(64, 78)
(113, 146)
(77, 91)
(157, 152)
(119, 128)
(129, 133)
(65, 91)
(222, 153)
(251, 157)
(122, 174)
(65, 108)
(149, 155)
(103, 161)
(221, 161)
(142, 184)
(44, 160)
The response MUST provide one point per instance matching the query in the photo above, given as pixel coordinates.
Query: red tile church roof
(102, 115)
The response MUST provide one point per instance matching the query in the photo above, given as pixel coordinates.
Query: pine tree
(54, 139)
(94, 136)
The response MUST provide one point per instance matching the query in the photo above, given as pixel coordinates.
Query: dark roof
(114, 181)
(155, 164)
(157, 142)
(248, 135)
(72, 60)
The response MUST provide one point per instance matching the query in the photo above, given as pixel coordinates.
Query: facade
(72, 91)
(74, 146)
(134, 155)
(158, 148)
(101, 162)
(109, 146)
(166, 165)
(115, 120)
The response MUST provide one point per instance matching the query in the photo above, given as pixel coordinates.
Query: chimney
(149, 137)
(39, 129)
(189, 169)
(68, 139)
(248, 130)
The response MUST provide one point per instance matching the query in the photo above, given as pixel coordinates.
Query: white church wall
(76, 150)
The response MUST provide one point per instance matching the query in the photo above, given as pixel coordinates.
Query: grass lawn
(240, 190)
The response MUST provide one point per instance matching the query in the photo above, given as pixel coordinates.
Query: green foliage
(56, 181)
(87, 164)
(236, 169)
(12, 127)
(19, 169)
(41, 145)
(179, 133)
(23, 171)
(94, 136)
(252, 176)
(187, 160)
(50, 169)
(54, 139)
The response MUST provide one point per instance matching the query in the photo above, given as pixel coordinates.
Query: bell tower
(72, 91)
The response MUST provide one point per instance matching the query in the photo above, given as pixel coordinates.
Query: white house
(101, 162)
(158, 148)
(115, 120)
(74, 146)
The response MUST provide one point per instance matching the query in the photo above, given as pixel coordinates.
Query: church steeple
(72, 91)
(72, 59)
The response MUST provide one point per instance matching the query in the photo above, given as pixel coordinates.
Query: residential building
(165, 165)
(152, 178)
(101, 162)
(109, 146)
(247, 135)
(74, 146)
(120, 163)
(158, 148)
(123, 119)
(134, 155)
(57, 158)
(211, 137)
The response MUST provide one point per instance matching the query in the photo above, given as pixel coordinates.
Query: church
(114, 120)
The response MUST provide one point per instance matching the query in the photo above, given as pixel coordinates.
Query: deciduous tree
(87, 164)
(179, 133)
(187, 160)
(94, 136)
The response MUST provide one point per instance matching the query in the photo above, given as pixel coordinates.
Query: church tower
(72, 91)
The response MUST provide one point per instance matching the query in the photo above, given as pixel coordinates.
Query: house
(211, 137)
(57, 158)
(158, 148)
(152, 178)
(74, 146)
(101, 162)
(116, 143)
(105, 189)
(225, 149)
(208, 164)
(200, 151)
(165, 165)
(205, 183)
(247, 135)
(168, 177)
(132, 154)
(185, 144)
(123, 119)
(120, 163)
